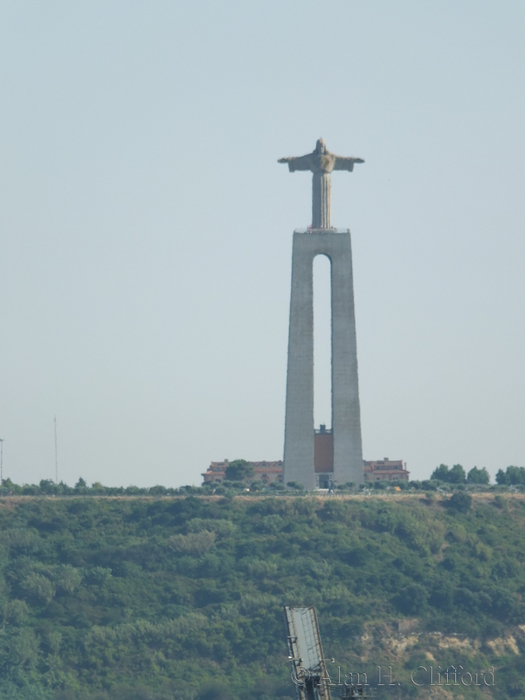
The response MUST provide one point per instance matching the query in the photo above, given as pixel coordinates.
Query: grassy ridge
(182, 597)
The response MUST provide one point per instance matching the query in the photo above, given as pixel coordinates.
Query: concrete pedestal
(346, 419)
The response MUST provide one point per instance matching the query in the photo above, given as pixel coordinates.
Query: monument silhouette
(334, 455)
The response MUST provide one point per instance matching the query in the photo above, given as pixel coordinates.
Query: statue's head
(320, 147)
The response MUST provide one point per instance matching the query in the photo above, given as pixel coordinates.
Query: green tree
(68, 579)
(501, 477)
(440, 473)
(14, 488)
(48, 487)
(515, 475)
(81, 484)
(456, 475)
(239, 470)
(478, 476)
(39, 588)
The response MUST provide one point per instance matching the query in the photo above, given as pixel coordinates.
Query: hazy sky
(146, 228)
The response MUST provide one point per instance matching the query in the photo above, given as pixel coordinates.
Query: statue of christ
(321, 163)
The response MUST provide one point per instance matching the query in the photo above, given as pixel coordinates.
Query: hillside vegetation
(182, 597)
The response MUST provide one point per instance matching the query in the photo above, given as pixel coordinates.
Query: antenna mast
(56, 453)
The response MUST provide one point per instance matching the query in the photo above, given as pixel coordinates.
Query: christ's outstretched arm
(298, 163)
(346, 163)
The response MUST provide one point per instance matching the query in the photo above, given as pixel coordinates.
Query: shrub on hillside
(460, 502)
(192, 543)
(412, 600)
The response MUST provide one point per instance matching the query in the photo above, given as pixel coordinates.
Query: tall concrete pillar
(299, 423)
(346, 413)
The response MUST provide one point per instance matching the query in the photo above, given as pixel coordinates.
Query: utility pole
(1, 461)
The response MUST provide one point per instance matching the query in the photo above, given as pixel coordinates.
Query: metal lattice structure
(306, 654)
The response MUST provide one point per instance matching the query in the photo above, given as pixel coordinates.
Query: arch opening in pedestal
(323, 419)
